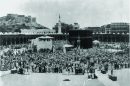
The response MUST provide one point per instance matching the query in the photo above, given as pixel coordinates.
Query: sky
(87, 13)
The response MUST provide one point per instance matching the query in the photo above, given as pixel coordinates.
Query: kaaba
(82, 38)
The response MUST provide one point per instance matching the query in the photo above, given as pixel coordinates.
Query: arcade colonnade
(14, 39)
(24, 39)
(111, 37)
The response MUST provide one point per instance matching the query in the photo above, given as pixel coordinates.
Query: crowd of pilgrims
(74, 61)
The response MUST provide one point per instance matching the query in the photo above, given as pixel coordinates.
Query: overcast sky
(85, 12)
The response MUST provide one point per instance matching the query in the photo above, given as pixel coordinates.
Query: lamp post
(129, 42)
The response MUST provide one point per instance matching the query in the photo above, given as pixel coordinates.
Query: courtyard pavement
(123, 78)
(54, 79)
(47, 79)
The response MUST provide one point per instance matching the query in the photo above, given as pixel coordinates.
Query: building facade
(43, 42)
(94, 29)
(120, 27)
(37, 31)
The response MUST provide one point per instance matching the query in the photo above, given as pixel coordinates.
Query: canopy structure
(96, 41)
(113, 50)
(67, 45)
(45, 37)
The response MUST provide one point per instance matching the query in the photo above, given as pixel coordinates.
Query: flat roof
(45, 37)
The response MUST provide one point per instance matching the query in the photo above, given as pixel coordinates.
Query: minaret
(59, 26)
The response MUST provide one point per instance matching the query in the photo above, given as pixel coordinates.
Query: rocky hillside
(14, 22)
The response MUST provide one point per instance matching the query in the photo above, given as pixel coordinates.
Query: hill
(15, 22)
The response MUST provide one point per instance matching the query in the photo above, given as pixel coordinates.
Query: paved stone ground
(105, 80)
(2, 73)
(123, 78)
(53, 79)
(47, 79)
(94, 82)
